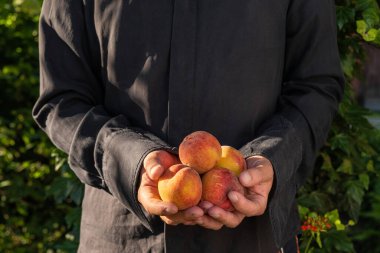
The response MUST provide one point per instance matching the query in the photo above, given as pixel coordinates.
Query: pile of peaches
(208, 171)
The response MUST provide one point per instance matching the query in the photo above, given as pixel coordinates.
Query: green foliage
(344, 170)
(19, 54)
(368, 27)
(348, 167)
(324, 233)
(40, 196)
(366, 234)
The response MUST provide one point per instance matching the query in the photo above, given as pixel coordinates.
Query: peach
(232, 159)
(216, 184)
(200, 150)
(180, 185)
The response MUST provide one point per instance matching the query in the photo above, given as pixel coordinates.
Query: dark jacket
(120, 78)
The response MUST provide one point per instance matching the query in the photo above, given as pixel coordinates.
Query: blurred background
(40, 197)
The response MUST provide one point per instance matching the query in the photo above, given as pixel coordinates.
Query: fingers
(258, 179)
(156, 162)
(209, 222)
(194, 216)
(150, 200)
(228, 219)
(259, 171)
(250, 205)
(205, 205)
(215, 220)
(158, 207)
(187, 217)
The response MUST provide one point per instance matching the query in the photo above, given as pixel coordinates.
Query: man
(122, 82)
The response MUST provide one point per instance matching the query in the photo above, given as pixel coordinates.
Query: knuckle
(148, 157)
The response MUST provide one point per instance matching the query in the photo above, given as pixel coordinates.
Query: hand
(154, 165)
(258, 180)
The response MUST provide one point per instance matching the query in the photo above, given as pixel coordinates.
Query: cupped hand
(154, 165)
(258, 181)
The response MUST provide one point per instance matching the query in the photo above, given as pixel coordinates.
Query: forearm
(105, 150)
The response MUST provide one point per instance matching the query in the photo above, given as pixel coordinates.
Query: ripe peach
(232, 159)
(200, 150)
(216, 184)
(180, 185)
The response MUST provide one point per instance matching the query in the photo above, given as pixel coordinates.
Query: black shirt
(120, 78)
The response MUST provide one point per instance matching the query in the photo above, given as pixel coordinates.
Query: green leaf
(370, 35)
(316, 201)
(355, 191)
(344, 15)
(337, 241)
(348, 65)
(364, 178)
(327, 165)
(332, 215)
(73, 216)
(341, 141)
(371, 16)
(5, 183)
(77, 193)
(377, 39)
(339, 226)
(353, 198)
(361, 27)
(303, 211)
(346, 167)
(362, 5)
(370, 166)
(318, 240)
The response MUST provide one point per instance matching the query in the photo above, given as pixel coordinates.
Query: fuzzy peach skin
(232, 159)
(216, 184)
(200, 150)
(180, 185)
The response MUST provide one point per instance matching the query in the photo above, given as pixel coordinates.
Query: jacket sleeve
(312, 88)
(104, 151)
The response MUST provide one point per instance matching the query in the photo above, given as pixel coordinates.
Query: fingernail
(233, 197)
(154, 171)
(205, 205)
(245, 178)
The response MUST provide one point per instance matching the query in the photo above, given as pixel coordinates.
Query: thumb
(156, 162)
(155, 172)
